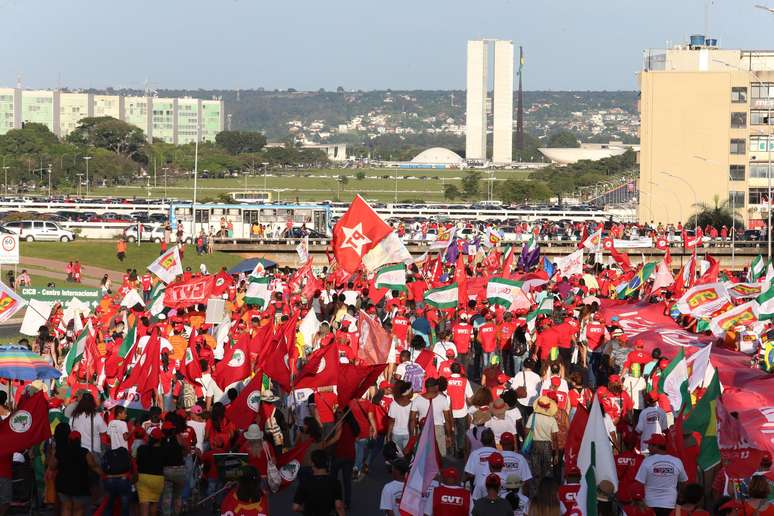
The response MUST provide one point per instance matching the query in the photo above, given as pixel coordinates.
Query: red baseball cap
(496, 460)
(450, 473)
(657, 440)
(493, 481)
(556, 381)
(614, 378)
(507, 437)
(157, 434)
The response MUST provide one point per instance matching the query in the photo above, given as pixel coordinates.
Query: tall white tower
(502, 101)
(475, 129)
(502, 120)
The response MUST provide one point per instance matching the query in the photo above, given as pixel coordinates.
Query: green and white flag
(757, 269)
(766, 305)
(595, 460)
(769, 275)
(546, 307)
(674, 383)
(503, 291)
(443, 297)
(258, 291)
(392, 277)
(129, 341)
(75, 354)
(157, 300)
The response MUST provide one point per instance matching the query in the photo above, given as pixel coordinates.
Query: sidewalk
(55, 269)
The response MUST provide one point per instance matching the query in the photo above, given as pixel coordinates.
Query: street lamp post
(195, 174)
(49, 181)
(87, 159)
(80, 180)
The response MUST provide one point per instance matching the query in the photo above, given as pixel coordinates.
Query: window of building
(736, 173)
(737, 146)
(761, 117)
(736, 199)
(762, 91)
(738, 120)
(739, 94)
(758, 195)
(760, 171)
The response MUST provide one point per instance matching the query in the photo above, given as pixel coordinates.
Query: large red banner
(193, 292)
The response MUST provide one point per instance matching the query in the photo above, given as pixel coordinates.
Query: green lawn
(316, 184)
(102, 254)
(42, 281)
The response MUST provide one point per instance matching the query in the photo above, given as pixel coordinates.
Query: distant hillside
(591, 115)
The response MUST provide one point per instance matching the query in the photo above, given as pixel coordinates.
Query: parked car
(32, 230)
(149, 233)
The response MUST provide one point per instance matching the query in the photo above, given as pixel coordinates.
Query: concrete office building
(172, 120)
(502, 101)
(705, 131)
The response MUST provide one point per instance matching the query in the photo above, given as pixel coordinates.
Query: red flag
(143, 379)
(243, 409)
(584, 236)
(685, 278)
(738, 454)
(289, 463)
(508, 262)
(260, 343)
(711, 276)
(27, 426)
(461, 278)
(358, 231)
(221, 282)
(575, 435)
(235, 365)
(690, 242)
(193, 292)
(275, 363)
(288, 336)
(375, 342)
(192, 368)
(354, 380)
(676, 447)
(620, 258)
(91, 356)
(321, 369)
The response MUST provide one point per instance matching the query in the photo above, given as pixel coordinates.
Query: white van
(42, 230)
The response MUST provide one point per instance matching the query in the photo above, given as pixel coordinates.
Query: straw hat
(498, 407)
(253, 433)
(513, 481)
(546, 406)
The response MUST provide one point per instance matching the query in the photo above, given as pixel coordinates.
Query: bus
(250, 196)
(236, 220)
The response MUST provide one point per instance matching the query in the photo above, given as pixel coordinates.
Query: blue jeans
(361, 448)
(119, 488)
(375, 450)
(595, 361)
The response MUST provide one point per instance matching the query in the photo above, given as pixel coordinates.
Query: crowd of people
(504, 386)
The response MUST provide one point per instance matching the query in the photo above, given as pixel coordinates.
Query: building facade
(502, 101)
(705, 131)
(172, 120)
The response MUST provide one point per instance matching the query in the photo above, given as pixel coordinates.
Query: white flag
(702, 370)
(167, 266)
(571, 264)
(595, 457)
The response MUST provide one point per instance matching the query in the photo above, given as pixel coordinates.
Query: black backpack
(117, 462)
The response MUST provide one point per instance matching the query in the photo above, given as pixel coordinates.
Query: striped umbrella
(19, 363)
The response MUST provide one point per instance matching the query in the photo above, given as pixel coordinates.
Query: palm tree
(717, 214)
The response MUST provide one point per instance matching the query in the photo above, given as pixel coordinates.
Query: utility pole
(87, 158)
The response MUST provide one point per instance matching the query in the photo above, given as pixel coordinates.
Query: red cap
(507, 437)
(493, 481)
(553, 395)
(345, 323)
(657, 440)
(74, 436)
(385, 384)
(450, 353)
(496, 460)
(450, 473)
(157, 434)
(614, 378)
(502, 378)
(556, 381)
(168, 425)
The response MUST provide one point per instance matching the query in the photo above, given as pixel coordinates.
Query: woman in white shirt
(89, 423)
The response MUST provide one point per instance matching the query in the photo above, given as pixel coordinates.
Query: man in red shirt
(566, 338)
(487, 337)
(546, 341)
(505, 331)
(459, 391)
(462, 333)
(596, 334)
(401, 326)
(449, 498)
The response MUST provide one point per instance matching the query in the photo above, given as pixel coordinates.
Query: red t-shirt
(568, 494)
(627, 464)
(546, 340)
(451, 501)
(462, 333)
(487, 335)
(505, 333)
(564, 334)
(595, 332)
(400, 326)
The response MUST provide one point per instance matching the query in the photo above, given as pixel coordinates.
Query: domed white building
(438, 156)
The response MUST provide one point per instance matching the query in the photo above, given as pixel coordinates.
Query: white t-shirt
(401, 416)
(439, 350)
(83, 424)
(479, 489)
(391, 494)
(350, 297)
(513, 415)
(531, 381)
(198, 428)
(660, 475)
(652, 420)
(516, 463)
(500, 426)
(546, 385)
(211, 388)
(116, 430)
(477, 460)
(420, 405)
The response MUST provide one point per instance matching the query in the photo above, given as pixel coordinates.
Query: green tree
(343, 179)
(471, 184)
(451, 192)
(239, 142)
(30, 139)
(106, 132)
(717, 214)
(519, 191)
(360, 175)
(562, 139)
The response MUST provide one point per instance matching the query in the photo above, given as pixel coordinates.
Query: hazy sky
(364, 44)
